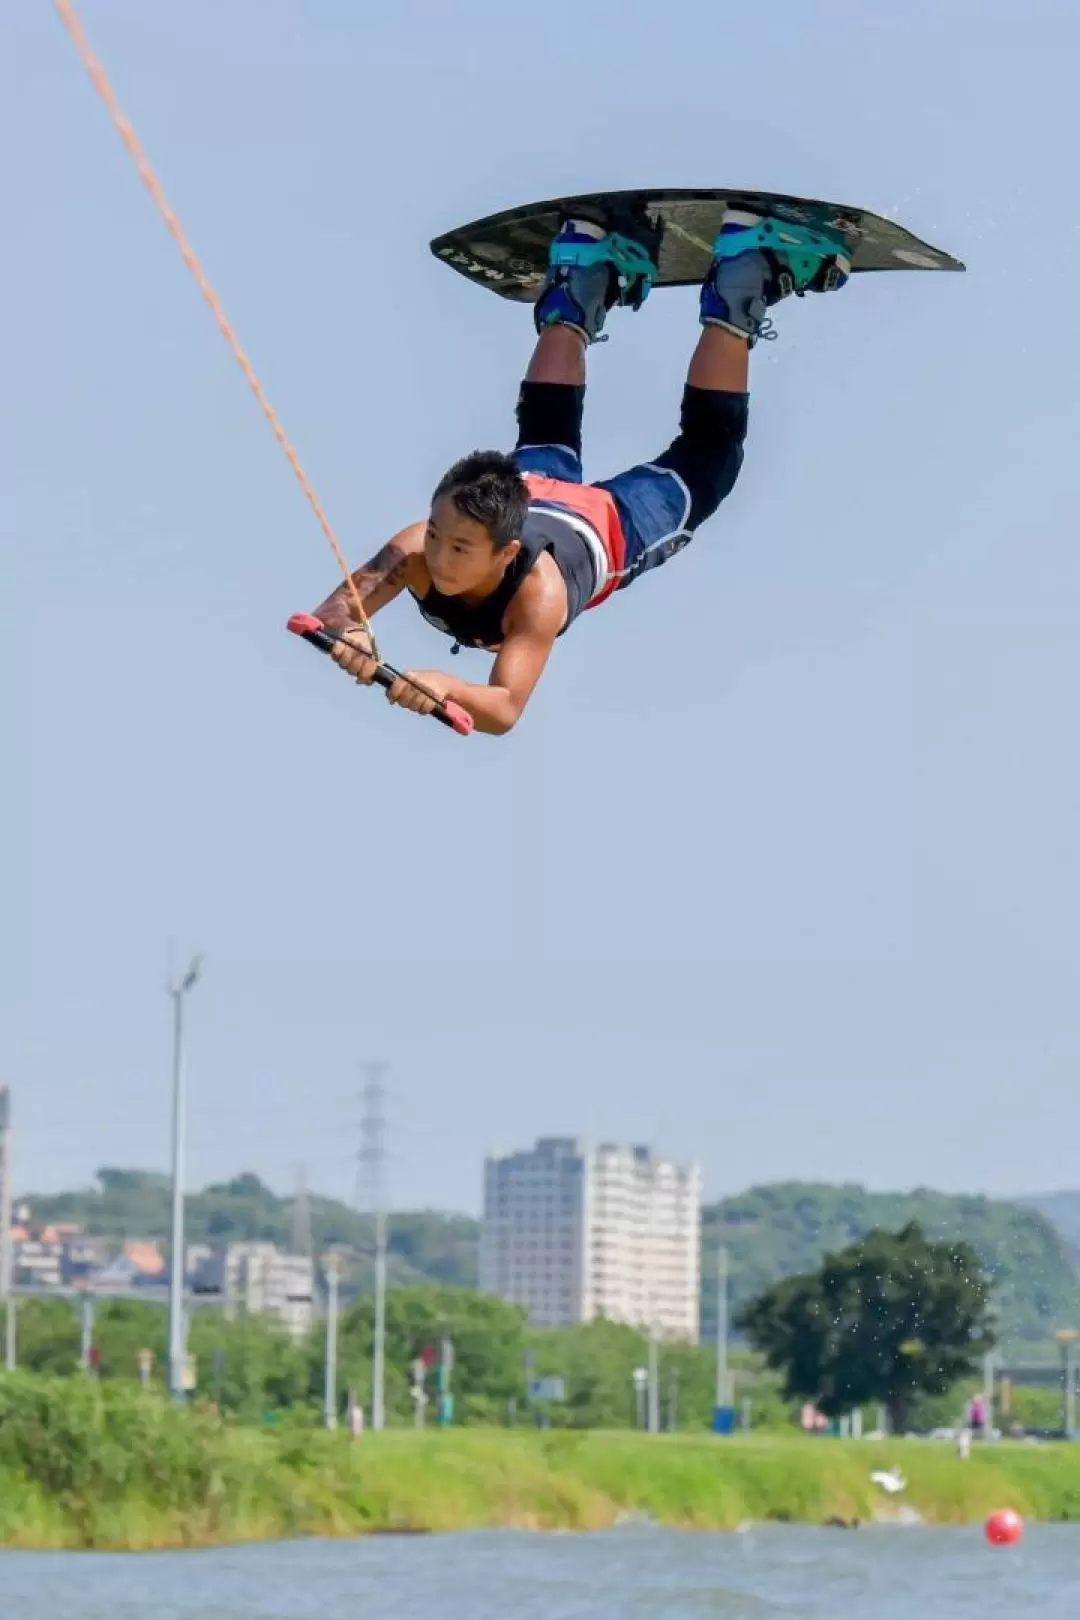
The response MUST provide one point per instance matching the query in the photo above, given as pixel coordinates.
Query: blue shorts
(660, 503)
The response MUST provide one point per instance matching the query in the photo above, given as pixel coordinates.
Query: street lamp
(178, 991)
(1067, 1338)
(641, 1381)
(723, 1406)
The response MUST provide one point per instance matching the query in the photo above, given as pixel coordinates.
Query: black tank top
(480, 624)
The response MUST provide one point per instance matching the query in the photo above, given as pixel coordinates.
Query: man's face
(460, 553)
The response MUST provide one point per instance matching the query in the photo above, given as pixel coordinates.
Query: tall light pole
(641, 1378)
(1067, 1338)
(988, 1392)
(331, 1348)
(177, 1336)
(378, 1359)
(723, 1381)
(372, 1157)
(86, 1320)
(654, 1381)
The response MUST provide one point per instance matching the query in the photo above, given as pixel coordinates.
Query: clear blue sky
(781, 871)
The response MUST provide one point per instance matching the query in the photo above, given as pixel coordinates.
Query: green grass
(89, 1464)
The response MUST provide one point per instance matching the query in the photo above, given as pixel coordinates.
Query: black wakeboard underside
(508, 252)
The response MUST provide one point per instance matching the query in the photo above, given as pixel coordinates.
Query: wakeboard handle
(313, 630)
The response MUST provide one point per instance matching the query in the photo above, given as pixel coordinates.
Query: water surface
(626, 1574)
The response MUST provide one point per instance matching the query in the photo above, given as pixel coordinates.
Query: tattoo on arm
(377, 582)
(388, 567)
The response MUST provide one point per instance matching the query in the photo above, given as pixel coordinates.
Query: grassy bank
(88, 1465)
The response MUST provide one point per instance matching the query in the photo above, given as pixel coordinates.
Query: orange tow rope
(153, 185)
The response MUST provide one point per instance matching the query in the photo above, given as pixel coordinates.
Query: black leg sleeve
(708, 453)
(550, 413)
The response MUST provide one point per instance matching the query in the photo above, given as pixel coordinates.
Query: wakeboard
(508, 252)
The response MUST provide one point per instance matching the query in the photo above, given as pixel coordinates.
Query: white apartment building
(574, 1232)
(258, 1279)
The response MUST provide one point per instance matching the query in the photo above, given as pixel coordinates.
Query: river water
(627, 1574)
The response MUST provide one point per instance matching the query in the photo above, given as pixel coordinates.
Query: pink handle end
(301, 623)
(461, 721)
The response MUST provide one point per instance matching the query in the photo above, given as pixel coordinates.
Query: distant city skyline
(286, 1186)
(570, 1231)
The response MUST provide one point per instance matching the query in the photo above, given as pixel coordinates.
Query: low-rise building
(37, 1264)
(259, 1279)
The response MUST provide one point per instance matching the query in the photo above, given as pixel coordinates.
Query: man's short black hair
(488, 488)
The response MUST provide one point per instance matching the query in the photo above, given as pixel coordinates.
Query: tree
(887, 1319)
(487, 1337)
(787, 1228)
(48, 1336)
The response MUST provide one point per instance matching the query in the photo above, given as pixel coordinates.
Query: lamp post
(654, 1382)
(331, 1348)
(1067, 1338)
(723, 1412)
(177, 1336)
(641, 1380)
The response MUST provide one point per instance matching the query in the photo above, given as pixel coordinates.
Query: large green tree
(787, 1228)
(887, 1319)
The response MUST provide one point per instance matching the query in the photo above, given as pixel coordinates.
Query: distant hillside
(136, 1203)
(774, 1231)
(770, 1232)
(1063, 1209)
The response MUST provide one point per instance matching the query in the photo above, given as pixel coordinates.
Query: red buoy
(1004, 1528)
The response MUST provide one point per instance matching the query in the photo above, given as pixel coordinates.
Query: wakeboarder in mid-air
(515, 547)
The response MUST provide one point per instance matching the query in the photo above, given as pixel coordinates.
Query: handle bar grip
(313, 630)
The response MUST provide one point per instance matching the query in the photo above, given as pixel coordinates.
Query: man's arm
(400, 563)
(533, 621)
